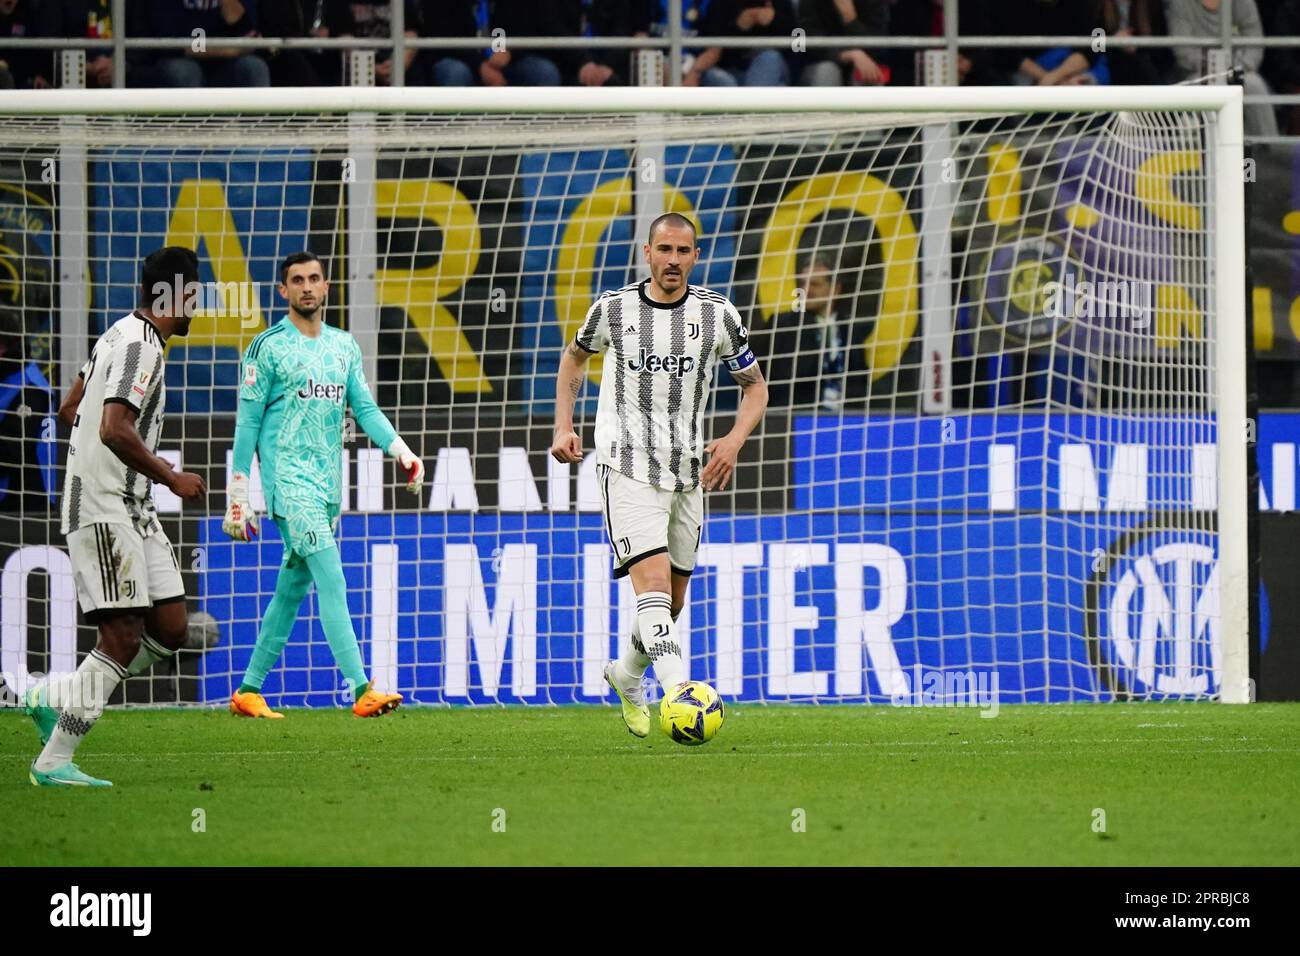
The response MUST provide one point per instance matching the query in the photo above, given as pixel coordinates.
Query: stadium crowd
(1277, 69)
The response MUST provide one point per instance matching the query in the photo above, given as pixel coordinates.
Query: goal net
(1003, 461)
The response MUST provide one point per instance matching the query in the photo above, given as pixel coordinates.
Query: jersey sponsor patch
(646, 360)
(141, 382)
(250, 374)
(330, 392)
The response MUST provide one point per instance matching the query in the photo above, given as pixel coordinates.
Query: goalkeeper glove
(414, 467)
(240, 523)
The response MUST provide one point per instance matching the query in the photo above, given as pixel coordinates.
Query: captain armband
(742, 361)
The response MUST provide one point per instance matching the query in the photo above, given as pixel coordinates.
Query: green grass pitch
(1179, 784)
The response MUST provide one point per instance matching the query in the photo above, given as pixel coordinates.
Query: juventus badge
(694, 329)
(624, 545)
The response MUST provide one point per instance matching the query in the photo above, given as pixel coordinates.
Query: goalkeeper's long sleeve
(248, 428)
(370, 417)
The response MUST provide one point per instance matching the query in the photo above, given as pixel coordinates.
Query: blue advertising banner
(1057, 575)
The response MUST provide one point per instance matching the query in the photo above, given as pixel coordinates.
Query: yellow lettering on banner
(575, 263)
(1176, 310)
(1293, 318)
(1154, 187)
(899, 247)
(1262, 298)
(1005, 183)
(419, 291)
(201, 219)
(1082, 217)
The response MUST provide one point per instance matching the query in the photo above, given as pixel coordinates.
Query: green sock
(360, 691)
(291, 586)
(331, 591)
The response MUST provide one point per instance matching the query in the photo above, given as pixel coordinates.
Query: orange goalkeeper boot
(375, 703)
(252, 704)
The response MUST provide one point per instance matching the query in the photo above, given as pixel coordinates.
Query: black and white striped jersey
(658, 368)
(125, 366)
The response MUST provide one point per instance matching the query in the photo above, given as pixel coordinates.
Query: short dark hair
(163, 266)
(672, 219)
(821, 260)
(297, 259)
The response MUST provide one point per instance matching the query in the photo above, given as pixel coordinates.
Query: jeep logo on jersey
(677, 365)
(314, 389)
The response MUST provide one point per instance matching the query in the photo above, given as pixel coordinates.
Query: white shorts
(117, 570)
(642, 520)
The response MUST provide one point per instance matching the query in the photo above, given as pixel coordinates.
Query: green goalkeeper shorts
(306, 526)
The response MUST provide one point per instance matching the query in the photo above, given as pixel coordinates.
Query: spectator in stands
(730, 66)
(27, 435)
(531, 18)
(1131, 66)
(611, 18)
(92, 19)
(1200, 18)
(214, 65)
(693, 16)
(813, 355)
(451, 18)
(839, 18)
(921, 18)
(375, 21)
(1058, 65)
(19, 69)
(1281, 66)
(303, 18)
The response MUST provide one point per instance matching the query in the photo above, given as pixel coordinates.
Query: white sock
(150, 653)
(83, 698)
(634, 662)
(659, 637)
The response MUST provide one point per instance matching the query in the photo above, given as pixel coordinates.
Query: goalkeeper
(298, 375)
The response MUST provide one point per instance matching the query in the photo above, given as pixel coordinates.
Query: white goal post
(1011, 444)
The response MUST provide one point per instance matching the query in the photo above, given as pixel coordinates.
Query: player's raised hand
(239, 523)
(187, 485)
(718, 472)
(567, 447)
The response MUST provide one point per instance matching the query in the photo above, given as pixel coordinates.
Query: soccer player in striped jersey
(662, 338)
(299, 375)
(127, 577)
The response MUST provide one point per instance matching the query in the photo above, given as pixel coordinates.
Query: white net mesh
(987, 469)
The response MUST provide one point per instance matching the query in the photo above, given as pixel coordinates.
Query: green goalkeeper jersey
(291, 410)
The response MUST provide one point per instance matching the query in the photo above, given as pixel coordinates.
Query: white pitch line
(715, 753)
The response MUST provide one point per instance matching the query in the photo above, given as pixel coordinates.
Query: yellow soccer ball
(691, 713)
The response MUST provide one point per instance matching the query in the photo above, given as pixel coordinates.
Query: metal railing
(675, 43)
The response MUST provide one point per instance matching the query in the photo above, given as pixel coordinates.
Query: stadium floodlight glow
(1018, 446)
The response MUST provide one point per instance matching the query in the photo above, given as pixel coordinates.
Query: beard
(307, 311)
(183, 325)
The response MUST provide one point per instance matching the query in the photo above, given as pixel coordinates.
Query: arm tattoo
(749, 376)
(574, 349)
(575, 386)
